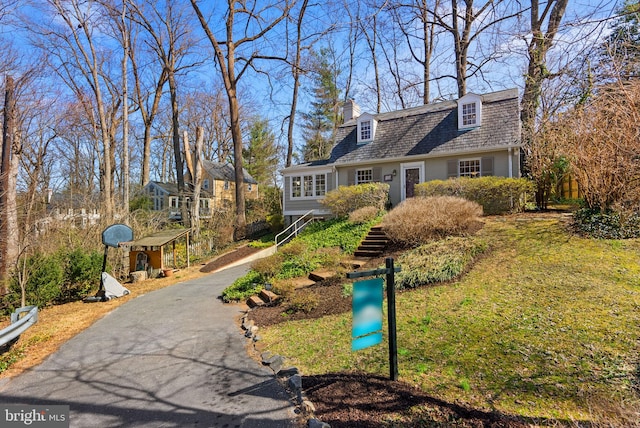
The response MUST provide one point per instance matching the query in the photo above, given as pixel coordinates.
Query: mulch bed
(230, 257)
(356, 400)
(327, 293)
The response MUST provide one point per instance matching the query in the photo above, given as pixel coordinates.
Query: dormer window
(469, 112)
(366, 128)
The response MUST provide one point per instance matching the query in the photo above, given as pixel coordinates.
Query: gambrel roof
(432, 130)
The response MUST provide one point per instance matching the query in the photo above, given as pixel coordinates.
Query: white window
(469, 168)
(205, 184)
(296, 187)
(226, 185)
(364, 176)
(365, 130)
(469, 114)
(321, 184)
(308, 186)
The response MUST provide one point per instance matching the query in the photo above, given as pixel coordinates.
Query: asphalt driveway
(171, 358)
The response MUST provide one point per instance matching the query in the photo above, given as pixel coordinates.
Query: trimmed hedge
(346, 199)
(497, 195)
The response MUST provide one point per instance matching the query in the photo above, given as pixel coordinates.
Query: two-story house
(474, 136)
(217, 191)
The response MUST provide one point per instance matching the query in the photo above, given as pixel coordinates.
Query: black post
(391, 317)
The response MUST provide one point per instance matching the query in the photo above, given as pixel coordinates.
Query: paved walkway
(171, 358)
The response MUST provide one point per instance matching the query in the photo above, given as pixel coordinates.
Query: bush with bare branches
(602, 144)
(422, 219)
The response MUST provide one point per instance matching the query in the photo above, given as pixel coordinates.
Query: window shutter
(351, 177)
(376, 174)
(452, 168)
(486, 167)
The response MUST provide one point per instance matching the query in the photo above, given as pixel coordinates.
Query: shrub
(82, 273)
(305, 302)
(609, 224)
(346, 199)
(283, 287)
(268, 267)
(497, 195)
(43, 278)
(437, 261)
(363, 215)
(419, 220)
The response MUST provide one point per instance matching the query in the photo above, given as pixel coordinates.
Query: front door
(412, 174)
(411, 178)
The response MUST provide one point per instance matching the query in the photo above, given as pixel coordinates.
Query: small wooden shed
(148, 253)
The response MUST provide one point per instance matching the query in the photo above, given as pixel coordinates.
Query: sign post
(367, 312)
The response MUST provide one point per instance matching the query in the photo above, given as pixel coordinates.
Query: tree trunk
(125, 117)
(8, 173)
(197, 182)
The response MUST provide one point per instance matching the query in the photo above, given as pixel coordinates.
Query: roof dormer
(367, 125)
(469, 111)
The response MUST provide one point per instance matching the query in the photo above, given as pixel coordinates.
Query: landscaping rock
(295, 382)
(315, 423)
(275, 363)
(308, 407)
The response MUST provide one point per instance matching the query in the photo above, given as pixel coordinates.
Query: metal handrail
(297, 226)
(19, 325)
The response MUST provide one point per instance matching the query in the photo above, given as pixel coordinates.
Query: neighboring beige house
(217, 192)
(474, 136)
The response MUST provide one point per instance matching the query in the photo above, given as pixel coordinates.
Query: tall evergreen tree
(321, 123)
(623, 44)
(261, 155)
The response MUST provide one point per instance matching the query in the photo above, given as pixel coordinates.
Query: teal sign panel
(367, 313)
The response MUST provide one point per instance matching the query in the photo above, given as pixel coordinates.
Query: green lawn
(545, 325)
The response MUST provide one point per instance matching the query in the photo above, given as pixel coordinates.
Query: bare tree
(228, 54)
(467, 26)
(538, 47)
(415, 21)
(80, 59)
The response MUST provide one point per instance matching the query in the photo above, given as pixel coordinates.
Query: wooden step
(322, 274)
(367, 253)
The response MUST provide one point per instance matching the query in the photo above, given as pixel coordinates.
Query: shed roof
(161, 238)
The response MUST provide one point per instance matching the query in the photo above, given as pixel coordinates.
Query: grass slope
(544, 326)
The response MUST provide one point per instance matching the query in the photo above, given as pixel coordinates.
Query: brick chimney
(350, 110)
